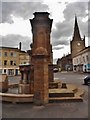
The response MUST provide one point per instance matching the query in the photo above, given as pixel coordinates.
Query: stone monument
(37, 82)
(41, 56)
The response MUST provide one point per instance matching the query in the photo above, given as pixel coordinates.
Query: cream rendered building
(24, 58)
(10, 58)
(80, 54)
(81, 62)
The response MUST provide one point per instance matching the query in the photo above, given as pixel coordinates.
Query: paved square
(51, 110)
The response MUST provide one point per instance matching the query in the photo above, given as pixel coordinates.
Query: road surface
(51, 110)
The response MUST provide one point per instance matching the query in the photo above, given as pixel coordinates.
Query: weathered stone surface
(24, 89)
(61, 93)
(41, 56)
(50, 73)
(40, 81)
(3, 83)
(26, 79)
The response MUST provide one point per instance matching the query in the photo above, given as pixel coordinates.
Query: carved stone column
(24, 85)
(40, 80)
(41, 55)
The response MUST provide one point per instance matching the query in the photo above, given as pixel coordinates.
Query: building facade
(81, 62)
(10, 58)
(79, 53)
(79, 59)
(24, 57)
(65, 63)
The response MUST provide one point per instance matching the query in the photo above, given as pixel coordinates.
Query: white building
(81, 61)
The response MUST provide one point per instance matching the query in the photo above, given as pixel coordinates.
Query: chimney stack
(20, 46)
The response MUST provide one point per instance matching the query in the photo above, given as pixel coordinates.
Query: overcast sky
(15, 26)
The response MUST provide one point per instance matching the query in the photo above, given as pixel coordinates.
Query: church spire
(76, 35)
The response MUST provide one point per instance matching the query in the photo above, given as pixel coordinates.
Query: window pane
(0, 71)
(11, 62)
(11, 54)
(87, 57)
(0, 54)
(4, 70)
(5, 62)
(14, 62)
(14, 54)
(5, 54)
(0, 62)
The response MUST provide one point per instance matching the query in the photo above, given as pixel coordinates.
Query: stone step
(61, 93)
(66, 99)
(72, 87)
(70, 91)
(80, 92)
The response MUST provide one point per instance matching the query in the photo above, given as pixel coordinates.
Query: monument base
(3, 83)
(24, 89)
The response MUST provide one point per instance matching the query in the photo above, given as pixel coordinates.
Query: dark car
(55, 70)
(87, 80)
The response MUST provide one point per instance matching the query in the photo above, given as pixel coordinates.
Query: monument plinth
(41, 55)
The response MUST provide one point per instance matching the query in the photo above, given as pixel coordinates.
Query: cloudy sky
(15, 26)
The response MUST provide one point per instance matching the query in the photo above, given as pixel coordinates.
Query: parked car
(55, 70)
(87, 80)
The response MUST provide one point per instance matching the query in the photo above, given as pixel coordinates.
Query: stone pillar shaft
(41, 81)
(41, 55)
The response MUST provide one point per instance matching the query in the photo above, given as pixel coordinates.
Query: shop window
(10, 72)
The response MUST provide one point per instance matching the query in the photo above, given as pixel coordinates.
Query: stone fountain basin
(72, 93)
(14, 98)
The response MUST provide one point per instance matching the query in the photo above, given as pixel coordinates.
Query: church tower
(77, 44)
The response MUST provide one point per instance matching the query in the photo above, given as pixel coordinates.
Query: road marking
(56, 78)
(81, 78)
(60, 78)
